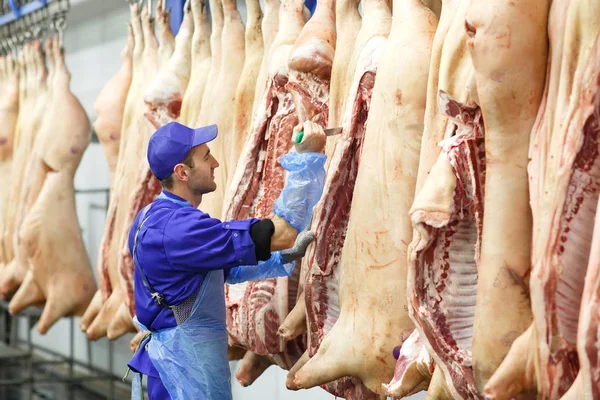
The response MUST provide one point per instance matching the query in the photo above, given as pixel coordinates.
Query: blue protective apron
(191, 358)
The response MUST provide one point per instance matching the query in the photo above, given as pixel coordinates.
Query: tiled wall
(95, 36)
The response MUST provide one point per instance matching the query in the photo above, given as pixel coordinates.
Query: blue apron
(191, 358)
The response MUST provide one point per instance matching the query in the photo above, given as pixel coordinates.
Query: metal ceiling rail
(17, 12)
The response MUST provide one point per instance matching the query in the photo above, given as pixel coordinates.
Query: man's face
(202, 175)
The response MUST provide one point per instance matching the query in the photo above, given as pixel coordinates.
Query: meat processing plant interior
(299, 199)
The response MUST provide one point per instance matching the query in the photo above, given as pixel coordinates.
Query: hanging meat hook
(61, 25)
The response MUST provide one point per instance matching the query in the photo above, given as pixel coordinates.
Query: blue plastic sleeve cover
(303, 189)
(274, 267)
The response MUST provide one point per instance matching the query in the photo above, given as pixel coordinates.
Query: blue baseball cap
(171, 143)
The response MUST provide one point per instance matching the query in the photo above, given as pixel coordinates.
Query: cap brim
(204, 135)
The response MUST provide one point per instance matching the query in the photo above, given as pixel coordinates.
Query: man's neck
(186, 195)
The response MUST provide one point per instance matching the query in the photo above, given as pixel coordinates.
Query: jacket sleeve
(194, 242)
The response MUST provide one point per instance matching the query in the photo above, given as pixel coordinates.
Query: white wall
(95, 36)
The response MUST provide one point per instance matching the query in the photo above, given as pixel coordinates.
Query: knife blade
(328, 132)
(333, 131)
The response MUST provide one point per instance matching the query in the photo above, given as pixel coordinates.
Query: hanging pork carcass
(359, 337)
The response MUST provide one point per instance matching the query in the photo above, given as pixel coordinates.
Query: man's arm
(304, 185)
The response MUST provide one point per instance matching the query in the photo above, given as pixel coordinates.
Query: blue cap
(171, 143)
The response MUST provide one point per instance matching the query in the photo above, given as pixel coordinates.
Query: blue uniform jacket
(177, 246)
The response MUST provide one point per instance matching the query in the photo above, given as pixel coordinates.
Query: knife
(328, 132)
(333, 131)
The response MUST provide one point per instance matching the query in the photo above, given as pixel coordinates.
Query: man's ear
(180, 172)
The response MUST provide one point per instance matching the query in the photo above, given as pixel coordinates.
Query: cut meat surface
(414, 365)
(310, 65)
(587, 384)
(444, 255)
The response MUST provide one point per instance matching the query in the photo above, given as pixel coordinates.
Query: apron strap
(159, 298)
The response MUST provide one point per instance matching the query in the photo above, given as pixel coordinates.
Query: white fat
(367, 62)
(164, 88)
(236, 292)
(279, 64)
(316, 48)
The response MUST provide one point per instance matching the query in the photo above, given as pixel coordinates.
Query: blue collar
(174, 198)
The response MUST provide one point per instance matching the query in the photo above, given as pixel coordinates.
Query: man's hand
(302, 241)
(309, 137)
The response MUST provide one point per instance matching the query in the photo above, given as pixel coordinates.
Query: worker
(182, 258)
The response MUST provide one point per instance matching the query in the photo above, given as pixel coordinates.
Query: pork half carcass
(244, 93)
(322, 257)
(256, 309)
(154, 60)
(450, 72)
(348, 22)
(310, 65)
(9, 111)
(56, 270)
(27, 293)
(16, 270)
(144, 57)
(269, 27)
(500, 33)
(362, 330)
(19, 156)
(110, 106)
(165, 34)
(156, 57)
(163, 104)
(565, 146)
(216, 25)
(231, 64)
(192, 100)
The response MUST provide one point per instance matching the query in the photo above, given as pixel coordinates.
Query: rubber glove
(306, 176)
(303, 239)
(274, 267)
(280, 264)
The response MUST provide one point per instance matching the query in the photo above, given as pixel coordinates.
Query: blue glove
(274, 267)
(303, 188)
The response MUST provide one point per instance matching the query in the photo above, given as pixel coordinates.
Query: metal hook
(61, 25)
